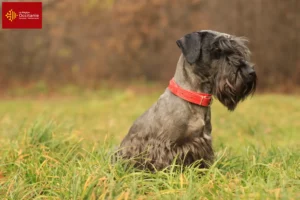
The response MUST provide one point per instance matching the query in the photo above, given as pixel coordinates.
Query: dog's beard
(233, 84)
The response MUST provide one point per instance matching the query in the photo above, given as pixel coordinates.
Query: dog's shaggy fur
(211, 62)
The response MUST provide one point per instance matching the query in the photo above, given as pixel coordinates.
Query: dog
(177, 128)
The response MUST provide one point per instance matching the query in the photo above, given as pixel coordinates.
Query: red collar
(201, 99)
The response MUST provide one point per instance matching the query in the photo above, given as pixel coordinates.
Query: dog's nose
(251, 72)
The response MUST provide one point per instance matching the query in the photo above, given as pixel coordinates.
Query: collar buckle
(205, 97)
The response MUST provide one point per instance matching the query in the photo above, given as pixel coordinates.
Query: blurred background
(86, 43)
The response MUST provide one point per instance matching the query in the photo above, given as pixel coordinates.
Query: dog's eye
(217, 50)
(216, 53)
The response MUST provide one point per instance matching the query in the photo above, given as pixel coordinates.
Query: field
(60, 148)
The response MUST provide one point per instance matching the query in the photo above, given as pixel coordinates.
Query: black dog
(178, 125)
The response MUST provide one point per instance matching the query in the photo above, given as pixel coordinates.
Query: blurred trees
(85, 42)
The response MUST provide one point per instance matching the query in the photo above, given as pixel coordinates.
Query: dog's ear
(190, 46)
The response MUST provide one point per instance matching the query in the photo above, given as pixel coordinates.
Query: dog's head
(224, 60)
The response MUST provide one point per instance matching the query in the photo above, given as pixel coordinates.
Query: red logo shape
(21, 15)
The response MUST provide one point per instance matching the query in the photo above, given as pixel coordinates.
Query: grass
(60, 148)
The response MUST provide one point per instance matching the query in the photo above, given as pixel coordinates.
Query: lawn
(60, 148)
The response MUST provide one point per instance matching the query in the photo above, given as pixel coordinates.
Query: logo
(21, 15)
(11, 15)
